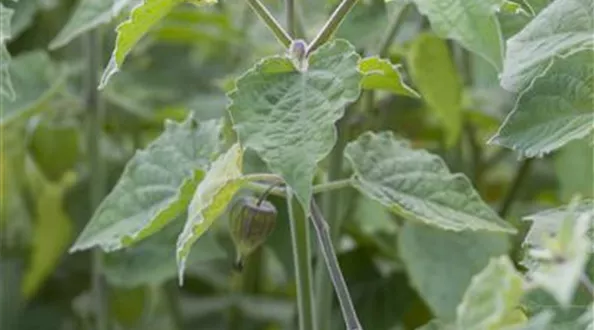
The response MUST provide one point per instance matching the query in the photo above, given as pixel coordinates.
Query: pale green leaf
(539, 322)
(561, 29)
(418, 185)
(441, 263)
(555, 110)
(434, 73)
(493, 295)
(574, 165)
(156, 186)
(128, 267)
(548, 223)
(142, 18)
(288, 116)
(37, 79)
(213, 194)
(380, 74)
(51, 235)
(6, 87)
(557, 260)
(470, 22)
(88, 15)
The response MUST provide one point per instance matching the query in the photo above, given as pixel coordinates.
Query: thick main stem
(340, 287)
(302, 260)
(95, 122)
(332, 24)
(271, 22)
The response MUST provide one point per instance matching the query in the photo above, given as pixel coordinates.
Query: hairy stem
(393, 27)
(514, 189)
(282, 192)
(332, 24)
(302, 260)
(281, 35)
(94, 118)
(340, 287)
(290, 17)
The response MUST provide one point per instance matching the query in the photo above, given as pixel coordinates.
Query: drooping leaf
(470, 22)
(561, 29)
(441, 263)
(382, 75)
(418, 185)
(555, 110)
(88, 15)
(152, 261)
(142, 18)
(6, 88)
(558, 260)
(210, 200)
(36, 79)
(52, 233)
(492, 298)
(156, 186)
(434, 74)
(574, 165)
(288, 116)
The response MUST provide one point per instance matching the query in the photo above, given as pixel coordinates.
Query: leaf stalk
(332, 24)
(273, 25)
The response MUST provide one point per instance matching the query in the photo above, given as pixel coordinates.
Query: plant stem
(273, 25)
(172, 296)
(290, 17)
(340, 287)
(515, 187)
(96, 168)
(332, 24)
(393, 27)
(587, 284)
(302, 260)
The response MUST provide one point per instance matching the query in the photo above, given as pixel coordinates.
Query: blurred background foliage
(400, 274)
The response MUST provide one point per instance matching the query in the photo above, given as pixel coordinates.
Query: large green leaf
(6, 88)
(152, 261)
(142, 18)
(441, 263)
(382, 75)
(470, 22)
(288, 116)
(561, 29)
(88, 15)
(52, 233)
(493, 298)
(557, 261)
(434, 73)
(555, 110)
(213, 194)
(418, 185)
(156, 186)
(36, 79)
(574, 165)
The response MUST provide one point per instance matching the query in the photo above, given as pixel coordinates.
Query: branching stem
(273, 25)
(332, 24)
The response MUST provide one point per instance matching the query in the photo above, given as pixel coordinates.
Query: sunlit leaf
(288, 116)
(128, 267)
(555, 110)
(142, 18)
(88, 15)
(558, 260)
(492, 298)
(434, 74)
(470, 22)
(6, 88)
(561, 29)
(382, 75)
(441, 263)
(52, 233)
(36, 79)
(155, 187)
(210, 200)
(574, 165)
(418, 185)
